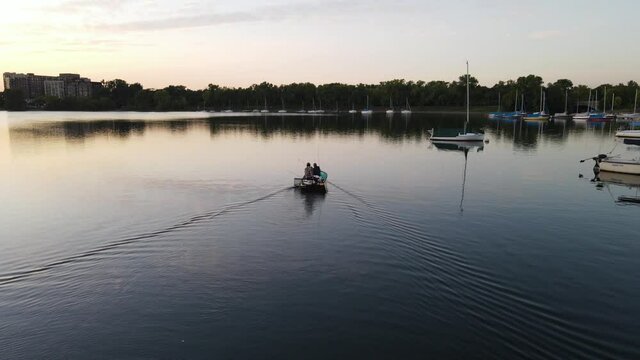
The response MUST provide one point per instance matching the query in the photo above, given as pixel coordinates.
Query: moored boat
(624, 166)
(616, 164)
(464, 135)
(629, 134)
(541, 115)
(407, 109)
(367, 111)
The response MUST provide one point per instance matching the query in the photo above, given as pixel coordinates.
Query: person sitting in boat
(316, 171)
(308, 172)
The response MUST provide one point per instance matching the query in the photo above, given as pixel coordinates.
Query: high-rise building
(54, 88)
(64, 85)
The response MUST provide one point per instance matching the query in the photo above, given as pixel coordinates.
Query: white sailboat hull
(460, 137)
(633, 134)
(581, 116)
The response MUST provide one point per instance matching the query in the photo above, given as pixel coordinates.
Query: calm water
(127, 235)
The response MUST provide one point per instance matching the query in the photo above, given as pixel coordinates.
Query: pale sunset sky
(241, 42)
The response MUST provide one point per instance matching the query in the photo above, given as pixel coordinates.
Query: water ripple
(19, 275)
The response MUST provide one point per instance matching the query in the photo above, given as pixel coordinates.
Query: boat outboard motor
(597, 159)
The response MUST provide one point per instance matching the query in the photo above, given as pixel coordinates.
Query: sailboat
(584, 115)
(314, 110)
(464, 135)
(302, 110)
(390, 109)
(598, 116)
(407, 109)
(353, 109)
(228, 109)
(367, 111)
(283, 110)
(265, 110)
(564, 114)
(516, 114)
(320, 111)
(611, 115)
(541, 115)
(498, 114)
(634, 116)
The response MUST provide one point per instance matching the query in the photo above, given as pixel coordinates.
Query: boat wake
(209, 215)
(441, 271)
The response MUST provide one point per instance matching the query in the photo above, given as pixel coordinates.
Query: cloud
(78, 6)
(266, 13)
(544, 35)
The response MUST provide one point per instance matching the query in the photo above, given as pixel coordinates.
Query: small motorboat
(317, 184)
(615, 164)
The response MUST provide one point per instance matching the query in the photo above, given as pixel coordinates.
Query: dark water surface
(127, 235)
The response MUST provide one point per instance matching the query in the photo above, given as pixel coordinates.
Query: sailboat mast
(604, 101)
(499, 101)
(515, 106)
(465, 124)
(635, 103)
(566, 99)
(595, 103)
(589, 102)
(541, 98)
(613, 97)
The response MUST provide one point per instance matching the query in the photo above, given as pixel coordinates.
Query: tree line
(120, 95)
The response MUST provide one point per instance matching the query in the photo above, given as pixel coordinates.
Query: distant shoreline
(381, 110)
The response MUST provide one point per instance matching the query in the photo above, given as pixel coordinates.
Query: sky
(241, 42)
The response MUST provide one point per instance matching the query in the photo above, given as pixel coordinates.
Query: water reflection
(615, 184)
(312, 201)
(463, 147)
(525, 136)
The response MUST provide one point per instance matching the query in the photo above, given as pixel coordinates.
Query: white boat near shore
(407, 109)
(367, 111)
(629, 134)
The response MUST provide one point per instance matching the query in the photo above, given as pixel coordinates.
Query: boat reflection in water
(463, 146)
(611, 180)
(311, 200)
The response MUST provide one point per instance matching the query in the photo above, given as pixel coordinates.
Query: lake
(179, 235)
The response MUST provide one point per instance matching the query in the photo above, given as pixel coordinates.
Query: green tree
(14, 100)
